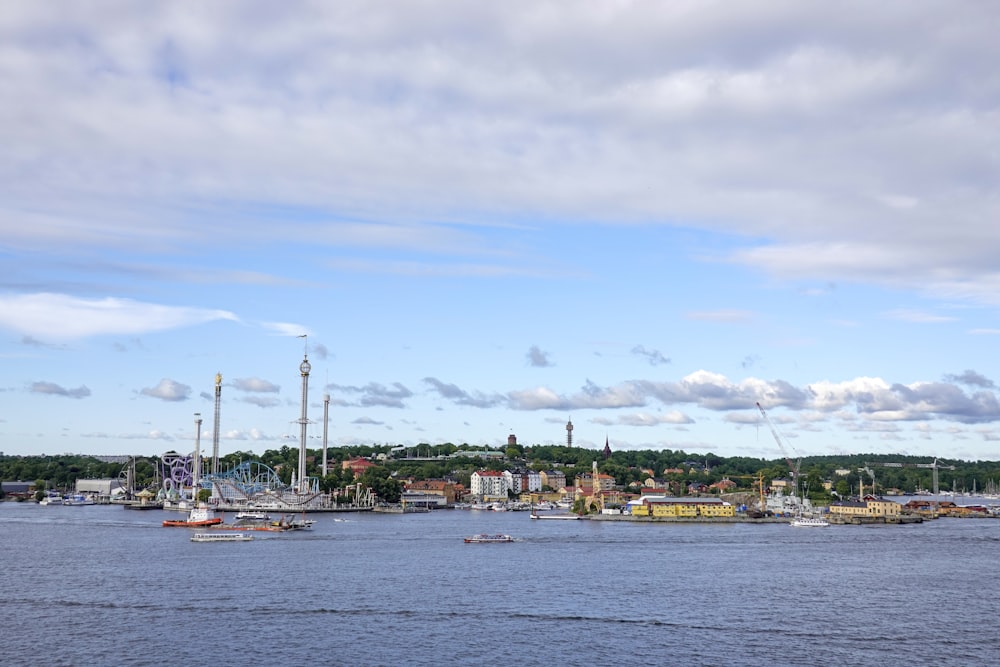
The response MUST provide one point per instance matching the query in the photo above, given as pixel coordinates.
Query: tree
(378, 479)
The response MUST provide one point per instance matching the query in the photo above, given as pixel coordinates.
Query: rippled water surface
(100, 585)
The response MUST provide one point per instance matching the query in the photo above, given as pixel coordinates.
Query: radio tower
(215, 433)
(569, 433)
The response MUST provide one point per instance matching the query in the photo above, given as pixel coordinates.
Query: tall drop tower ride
(304, 369)
(215, 432)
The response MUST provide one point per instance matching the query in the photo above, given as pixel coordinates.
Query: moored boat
(485, 538)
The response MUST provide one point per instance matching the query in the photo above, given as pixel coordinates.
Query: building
(489, 484)
(722, 486)
(423, 499)
(585, 482)
(686, 507)
(870, 507)
(521, 481)
(357, 466)
(436, 487)
(554, 479)
(18, 489)
(98, 487)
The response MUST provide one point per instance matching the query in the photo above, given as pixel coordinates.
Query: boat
(288, 523)
(78, 499)
(809, 522)
(560, 515)
(251, 517)
(52, 499)
(484, 538)
(221, 537)
(199, 516)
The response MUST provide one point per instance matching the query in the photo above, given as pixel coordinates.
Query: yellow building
(671, 507)
(872, 508)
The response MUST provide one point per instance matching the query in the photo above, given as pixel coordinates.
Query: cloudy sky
(491, 218)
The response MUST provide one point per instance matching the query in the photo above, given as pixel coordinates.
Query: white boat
(560, 515)
(809, 522)
(51, 499)
(249, 517)
(487, 539)
(221, 537)
(78, 499)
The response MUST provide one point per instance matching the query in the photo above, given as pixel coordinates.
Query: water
(100, 585)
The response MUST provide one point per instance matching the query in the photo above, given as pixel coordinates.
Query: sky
(492, 218)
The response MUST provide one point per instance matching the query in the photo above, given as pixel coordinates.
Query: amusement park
(247, 485)
(182, 481)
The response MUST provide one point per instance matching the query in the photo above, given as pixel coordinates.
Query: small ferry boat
(202, 515)
(484, 538)
(221, 537)
(809, 522)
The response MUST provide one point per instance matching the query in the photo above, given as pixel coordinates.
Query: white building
(534, 480)
(489, 484)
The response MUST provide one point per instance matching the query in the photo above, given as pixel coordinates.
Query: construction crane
(935, 466)
(793, 468)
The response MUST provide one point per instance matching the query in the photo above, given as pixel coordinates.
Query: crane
(792, 467)
(934, 466)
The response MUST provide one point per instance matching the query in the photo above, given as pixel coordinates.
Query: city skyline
(484, 220)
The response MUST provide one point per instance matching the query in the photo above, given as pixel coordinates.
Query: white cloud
(168, 390)
(255, 385)
(63, 317)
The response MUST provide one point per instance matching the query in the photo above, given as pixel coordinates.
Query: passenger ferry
(221, 537)
(484, 538)
(810, 522)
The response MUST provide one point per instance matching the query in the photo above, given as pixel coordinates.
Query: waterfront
(99, 585)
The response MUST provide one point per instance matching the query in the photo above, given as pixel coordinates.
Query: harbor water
(98, 585)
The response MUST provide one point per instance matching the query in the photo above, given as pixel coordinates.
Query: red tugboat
(200, 516)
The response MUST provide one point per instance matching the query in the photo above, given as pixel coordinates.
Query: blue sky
(489, 219)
